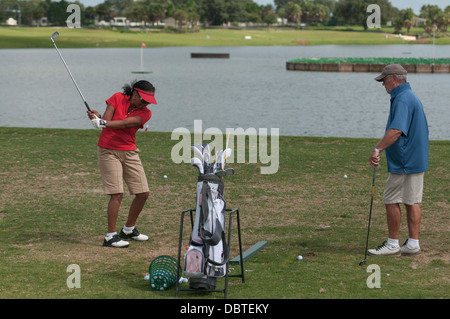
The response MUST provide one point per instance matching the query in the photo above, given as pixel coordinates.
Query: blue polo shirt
(409, 154)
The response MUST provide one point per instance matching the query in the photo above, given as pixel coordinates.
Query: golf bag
(208, 254)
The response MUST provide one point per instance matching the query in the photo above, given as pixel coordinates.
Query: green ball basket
(163, 272)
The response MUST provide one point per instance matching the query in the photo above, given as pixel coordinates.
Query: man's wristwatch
(376, 150)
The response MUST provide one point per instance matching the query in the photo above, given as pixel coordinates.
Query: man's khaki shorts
(403, 189)
(116, 166)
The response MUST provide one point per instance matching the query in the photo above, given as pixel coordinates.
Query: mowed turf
(17, 38)
(53, 214)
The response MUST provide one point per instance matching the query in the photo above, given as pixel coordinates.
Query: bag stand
(225, 290)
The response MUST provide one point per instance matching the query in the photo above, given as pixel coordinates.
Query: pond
(251, 89)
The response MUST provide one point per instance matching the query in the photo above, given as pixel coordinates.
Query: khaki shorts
(116, 166)
(403, 189)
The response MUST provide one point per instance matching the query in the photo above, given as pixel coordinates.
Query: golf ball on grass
(299, 257)
(345, 176)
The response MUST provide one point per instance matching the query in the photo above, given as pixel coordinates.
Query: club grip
(87, 106)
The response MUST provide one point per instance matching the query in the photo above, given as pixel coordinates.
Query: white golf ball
(345, 176)
(165, 176)
(299, 257)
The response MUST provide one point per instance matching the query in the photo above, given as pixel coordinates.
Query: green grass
(52, 214)
(14, 38)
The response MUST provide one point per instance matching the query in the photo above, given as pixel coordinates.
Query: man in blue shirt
(407, 147)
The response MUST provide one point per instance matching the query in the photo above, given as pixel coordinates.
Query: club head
(227, 152)
(224, 155)
(55, 35)
(206, 156)
(206, 149)
(198, 150)
(363, 262)
(197, 163)
(219, 159)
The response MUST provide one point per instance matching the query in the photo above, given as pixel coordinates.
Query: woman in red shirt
(118, 156)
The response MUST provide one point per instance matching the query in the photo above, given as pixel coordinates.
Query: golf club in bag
(53, 37)
(207, 256)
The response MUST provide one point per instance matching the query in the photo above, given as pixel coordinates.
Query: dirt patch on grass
(428, 256)
(301, 42)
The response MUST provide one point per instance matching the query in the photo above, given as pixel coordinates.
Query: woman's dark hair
(143, 85)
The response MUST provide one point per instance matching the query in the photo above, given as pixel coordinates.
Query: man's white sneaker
(385, 250)
(408, 250)
(115, 241)
(134, 234)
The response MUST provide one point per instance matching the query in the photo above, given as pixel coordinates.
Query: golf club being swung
(53, 37)
(370, 215)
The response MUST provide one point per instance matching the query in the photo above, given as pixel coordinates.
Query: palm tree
(398, 24)
(408, 18)
(293, 12)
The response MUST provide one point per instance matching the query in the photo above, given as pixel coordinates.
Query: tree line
(353, 12)
(220, 12)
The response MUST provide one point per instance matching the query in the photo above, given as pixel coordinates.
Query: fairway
(16, 38)
(53, 214)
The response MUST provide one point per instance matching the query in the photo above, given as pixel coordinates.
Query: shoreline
(9, 129)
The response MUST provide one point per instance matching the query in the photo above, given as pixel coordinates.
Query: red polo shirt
(122, 139)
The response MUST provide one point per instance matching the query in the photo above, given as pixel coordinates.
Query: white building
(11, 21)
